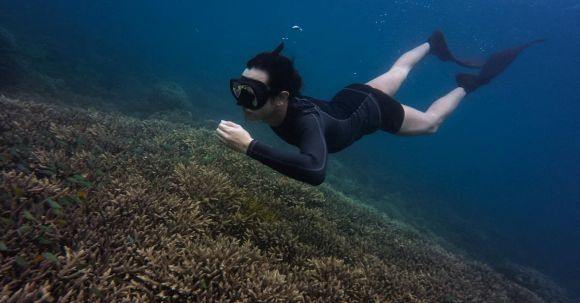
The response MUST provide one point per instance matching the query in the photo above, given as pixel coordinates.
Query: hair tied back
(278, 48)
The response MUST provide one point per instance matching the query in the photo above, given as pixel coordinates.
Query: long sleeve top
(319, 127)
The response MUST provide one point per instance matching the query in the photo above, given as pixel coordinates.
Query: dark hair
(282, 76)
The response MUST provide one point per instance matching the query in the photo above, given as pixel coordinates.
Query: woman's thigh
(390, 82)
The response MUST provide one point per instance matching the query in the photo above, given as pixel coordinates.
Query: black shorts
(350, 97)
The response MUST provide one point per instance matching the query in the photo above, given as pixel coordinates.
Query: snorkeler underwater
(405, 151)
(319, 127)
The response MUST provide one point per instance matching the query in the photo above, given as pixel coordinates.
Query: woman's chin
(250, 116)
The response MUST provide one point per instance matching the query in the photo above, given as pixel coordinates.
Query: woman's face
(265, 111)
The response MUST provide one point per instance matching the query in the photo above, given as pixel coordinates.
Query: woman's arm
(308, 165)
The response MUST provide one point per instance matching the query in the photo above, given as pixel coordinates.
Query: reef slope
(102, 207)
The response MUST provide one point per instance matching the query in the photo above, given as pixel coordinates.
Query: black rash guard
(318, 128)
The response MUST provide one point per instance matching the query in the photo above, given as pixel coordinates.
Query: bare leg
(417, 122)
(390, 81)
(424, 123)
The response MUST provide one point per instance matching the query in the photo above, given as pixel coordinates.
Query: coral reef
(532, 279)
(99, 207)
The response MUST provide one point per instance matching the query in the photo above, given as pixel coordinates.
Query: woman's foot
(438, 46)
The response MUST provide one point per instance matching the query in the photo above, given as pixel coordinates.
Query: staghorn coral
(156, 211)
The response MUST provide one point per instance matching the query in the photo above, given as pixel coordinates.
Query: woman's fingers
(224, 127)
(228, 127)
(230, 123)
(222, 135)
(233, 135)
(224, 124)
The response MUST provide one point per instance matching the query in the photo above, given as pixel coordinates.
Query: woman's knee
(419, 123)
(432, 123)
(431, 129)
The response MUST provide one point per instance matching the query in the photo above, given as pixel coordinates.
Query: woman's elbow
(316, 179)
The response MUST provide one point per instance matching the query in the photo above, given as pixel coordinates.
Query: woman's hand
(234, 136)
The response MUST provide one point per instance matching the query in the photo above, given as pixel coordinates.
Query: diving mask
(249, 93)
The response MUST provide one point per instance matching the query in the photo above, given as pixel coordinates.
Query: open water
(500, 180)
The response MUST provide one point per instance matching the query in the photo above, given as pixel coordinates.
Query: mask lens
(244, 94)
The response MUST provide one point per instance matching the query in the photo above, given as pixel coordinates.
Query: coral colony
(103, 207)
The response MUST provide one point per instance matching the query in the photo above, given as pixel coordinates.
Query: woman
(269, 90)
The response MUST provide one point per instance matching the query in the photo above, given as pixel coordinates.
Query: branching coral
(101, 207)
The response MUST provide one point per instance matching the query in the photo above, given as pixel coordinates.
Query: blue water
(506, 161)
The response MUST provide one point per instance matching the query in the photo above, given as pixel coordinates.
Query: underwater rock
(50, 85)
(10, 68)
(7, 41)
(168, 96)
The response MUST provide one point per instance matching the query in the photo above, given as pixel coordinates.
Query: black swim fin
(438, 47)
(496, 64)
(499, 61)
(469, 82)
